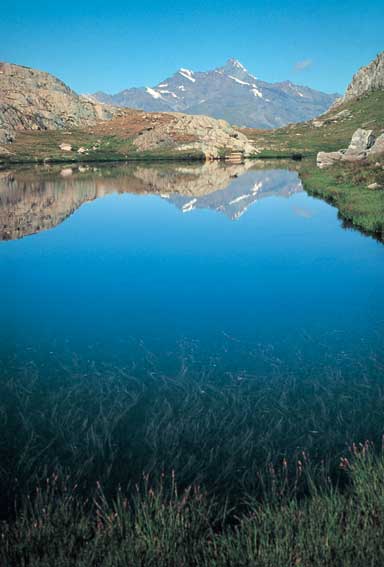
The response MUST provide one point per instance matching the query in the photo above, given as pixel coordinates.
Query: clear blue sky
(113, 45)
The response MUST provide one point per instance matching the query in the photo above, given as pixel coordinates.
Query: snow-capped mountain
(230, 92)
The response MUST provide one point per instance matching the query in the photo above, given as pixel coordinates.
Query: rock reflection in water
(36, 199)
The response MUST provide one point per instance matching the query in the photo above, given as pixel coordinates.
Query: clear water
(168, 253)
(206, 319)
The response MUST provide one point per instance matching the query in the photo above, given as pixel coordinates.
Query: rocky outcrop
(363, 144)
(369, 78)
(35, 100)
(201, 133)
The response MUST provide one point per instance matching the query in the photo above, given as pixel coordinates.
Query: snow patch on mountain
(187, 74)
(256, 91)
(238, 81)
(168, 92)
(153, 93)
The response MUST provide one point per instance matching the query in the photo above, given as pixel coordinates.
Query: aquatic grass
(221, 430)
(266, 466)
(158, 524)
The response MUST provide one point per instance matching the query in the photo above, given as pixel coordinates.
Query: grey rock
(326, 159)
(35, 100)
(378, 146)
(363, 144)
(368, 78)
(361, 141)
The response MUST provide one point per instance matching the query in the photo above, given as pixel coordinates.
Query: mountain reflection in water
(37, 199)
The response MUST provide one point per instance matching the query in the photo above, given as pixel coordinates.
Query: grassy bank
(346, 187)
(32, 147)
(162, 526)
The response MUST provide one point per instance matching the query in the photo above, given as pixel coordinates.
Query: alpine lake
(202, 320)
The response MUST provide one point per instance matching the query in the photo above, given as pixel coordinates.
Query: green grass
(159, 525)
(43, 147)
(346, 187)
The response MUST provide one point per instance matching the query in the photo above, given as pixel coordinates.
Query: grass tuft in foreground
(160, 526)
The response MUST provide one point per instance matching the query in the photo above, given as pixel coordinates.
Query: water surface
(94, 257)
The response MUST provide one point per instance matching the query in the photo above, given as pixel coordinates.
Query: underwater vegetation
(192, 464)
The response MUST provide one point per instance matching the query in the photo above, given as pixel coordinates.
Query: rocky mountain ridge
(368, 78)
(229, 92)
(35, 100)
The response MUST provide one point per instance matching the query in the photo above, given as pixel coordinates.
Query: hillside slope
(329, 132)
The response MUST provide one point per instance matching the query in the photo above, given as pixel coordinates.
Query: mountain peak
(234, 68)
(232, 62)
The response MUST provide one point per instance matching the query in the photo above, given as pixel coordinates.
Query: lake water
(229, 273)
(93, 259)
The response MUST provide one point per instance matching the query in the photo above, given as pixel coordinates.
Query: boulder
(65, 147)
(325, 159)
(361, 141)
(351, 155)
(362, 145)
(378, 146)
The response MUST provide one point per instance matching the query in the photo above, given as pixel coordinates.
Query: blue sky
(110, 46)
